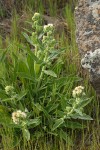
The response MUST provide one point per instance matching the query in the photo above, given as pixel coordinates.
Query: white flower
(48, 28)
(78, 91)
(18, 116)
(48, 25)
(9, 89)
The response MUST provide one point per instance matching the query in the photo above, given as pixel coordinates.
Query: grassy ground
(86, 139)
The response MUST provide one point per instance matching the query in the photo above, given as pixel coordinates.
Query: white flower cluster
(9, 89)
(48, 28)
(18, 116)
(90, 59)
(78, 91)
(48, 38)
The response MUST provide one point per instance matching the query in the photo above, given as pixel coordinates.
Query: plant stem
(43, 68)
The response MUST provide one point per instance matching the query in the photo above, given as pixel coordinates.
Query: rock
(87, 17)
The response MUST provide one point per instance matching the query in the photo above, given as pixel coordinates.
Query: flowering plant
(37, 84)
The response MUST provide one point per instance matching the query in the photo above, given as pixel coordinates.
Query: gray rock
(87, 18)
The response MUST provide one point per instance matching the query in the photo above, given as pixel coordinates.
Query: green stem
(72, 110)
(43, 68)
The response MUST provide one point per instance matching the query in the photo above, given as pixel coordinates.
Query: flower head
(78, 91)
(9, 89)
(36, 16)
(48, 28)
(18, 116)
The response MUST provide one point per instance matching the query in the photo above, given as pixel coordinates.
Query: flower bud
(9, 90)
(48, 28)
(18, 116)
(78, 91)
(36, 16)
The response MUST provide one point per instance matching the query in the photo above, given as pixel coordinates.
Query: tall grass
(85, 139)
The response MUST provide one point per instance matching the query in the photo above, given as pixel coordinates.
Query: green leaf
(2, 57)
(26, 134)
(63, 135)
(3, 94)
(30, 32)
(50, 72)
(60, 113)
(52, 133)
(27, 38)
(5, 118)
(38, 106)
(15, 56)
(78, 111)
(12, 125)
(38, 134)
(32, 55)
(73, 125)
(23, 66)
(83, 117)
(34, 122)
(26, 76)
(21, 95)
(16, 141)
(62, 81)
(7, 99)
(3, 109)
(84, 102)
(58, 122)
(51, 107)
(46, 114)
